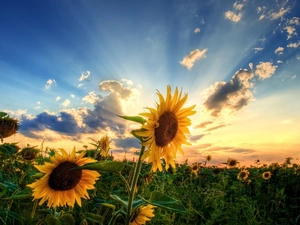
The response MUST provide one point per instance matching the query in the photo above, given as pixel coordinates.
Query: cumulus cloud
(280, 13)
(279, 50)
(85, 76)
(50, 83)
(265, 70)
(57, 98)
(234, 15)
(197, 30)
(295, 20)
(66, 103)
(235, 94)
(116, 87)
(63, 123)
(91, 98)
(189, 61)
(294, 45)
(291, 31)
(232, 95)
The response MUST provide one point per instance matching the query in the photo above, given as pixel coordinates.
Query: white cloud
(72, 96)
(293, 77)
(91, 98)
(50, 83)
(279, 50)
(294, 45)
(257, 49)
(85, 76)
(237, 6)
(189, 61)
(197, 30)
(291, 31)
(235, 17)
(79, 85)
(279, 61)
(57, 98)
(261, 17)
(265, 70)
(295, 20)
(66, 103)
(282, 11)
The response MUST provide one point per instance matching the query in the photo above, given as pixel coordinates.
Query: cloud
(291, 31)
(57, 98)
(235, 94)
(50, 83)
(280, 13)
(189, 61)
(265, 70)
(126, 143)
(195, 138)
(197, 30)
(279, 50)
(91, 98)
(217, 127)
(295, 20)
(63, 123)
(105, 115)
(257, 49)
(234, 15)
(66, 103)
(85, 76)
(294, 45)
(117, 88)
(232, 95)
(203, 124)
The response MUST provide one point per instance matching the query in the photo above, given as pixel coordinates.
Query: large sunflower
(165, 128)
(144, 214)
(61, 185)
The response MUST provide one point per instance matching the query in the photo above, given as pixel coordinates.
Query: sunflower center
(167, 129)
(63, 178)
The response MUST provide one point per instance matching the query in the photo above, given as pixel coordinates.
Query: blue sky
(68, 67)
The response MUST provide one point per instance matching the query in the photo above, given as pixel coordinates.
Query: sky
(68, 68)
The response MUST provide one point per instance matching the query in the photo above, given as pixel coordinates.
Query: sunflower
(232, 163)
(243, 175)
(144, 213)
(195, 168)
(266, 175)
(104, 145)
(61, 185)
(208, 158)
(164, 132)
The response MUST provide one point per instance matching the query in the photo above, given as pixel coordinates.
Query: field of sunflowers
(42, 186)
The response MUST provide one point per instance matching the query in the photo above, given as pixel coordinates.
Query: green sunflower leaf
(24, 194)
(3, 114)
(111, 166)
(137, 119)
(93, 217)
(161, 200)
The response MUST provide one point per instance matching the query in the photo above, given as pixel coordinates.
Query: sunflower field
(43, 186)
(189, 194)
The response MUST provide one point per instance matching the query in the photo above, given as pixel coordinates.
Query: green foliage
(213, 196)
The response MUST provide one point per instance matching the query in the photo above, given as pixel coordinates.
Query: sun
(62, 186)
(166, 128)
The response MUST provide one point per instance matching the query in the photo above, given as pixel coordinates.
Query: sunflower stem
(132, 189)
